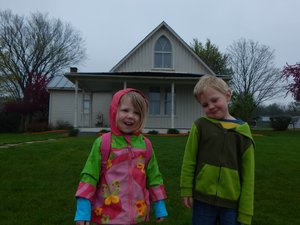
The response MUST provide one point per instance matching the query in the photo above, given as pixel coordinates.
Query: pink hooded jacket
(121, 193)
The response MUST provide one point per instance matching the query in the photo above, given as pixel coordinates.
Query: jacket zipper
(220, 164)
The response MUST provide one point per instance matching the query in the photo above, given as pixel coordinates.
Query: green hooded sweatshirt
(218, 166)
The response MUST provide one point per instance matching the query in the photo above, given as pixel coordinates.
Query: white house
(162, 65)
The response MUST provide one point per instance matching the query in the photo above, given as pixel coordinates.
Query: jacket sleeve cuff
(157, 193)
(160, 209)
(83, 210)
(244, 218)
(186, 192)
(85, 190)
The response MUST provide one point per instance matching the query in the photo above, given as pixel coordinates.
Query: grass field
(38, 180)
(15, 138)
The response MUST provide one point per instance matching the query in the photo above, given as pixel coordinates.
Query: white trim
(76, 104)
(172, 104)
(82, 116)
(50, 109)
(91, 110)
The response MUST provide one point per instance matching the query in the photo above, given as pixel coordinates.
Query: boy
(217, 175)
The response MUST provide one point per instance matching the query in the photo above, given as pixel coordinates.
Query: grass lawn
(14, 138)
(38, 180)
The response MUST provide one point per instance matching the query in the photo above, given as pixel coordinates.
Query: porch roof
(103, 81)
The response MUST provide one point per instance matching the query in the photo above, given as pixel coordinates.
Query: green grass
(38, 180)
(14, 138)
(277, 178)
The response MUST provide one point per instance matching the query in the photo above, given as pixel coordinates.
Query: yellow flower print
(111, 199)
(108, 164)
(141, 166)
(98, 211)
(141, 207)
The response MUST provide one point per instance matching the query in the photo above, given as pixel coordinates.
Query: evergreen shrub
(153, 132)
(280, 122)
(173, 131)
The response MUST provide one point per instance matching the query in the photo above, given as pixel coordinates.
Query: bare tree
(253, 69)
(35, 45)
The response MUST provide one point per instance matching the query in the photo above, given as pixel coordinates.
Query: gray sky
(111, 28)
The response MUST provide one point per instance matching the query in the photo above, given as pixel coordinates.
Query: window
(86, 106)
(163, 53)
(86, 113)
(154, 101)
(168, 101)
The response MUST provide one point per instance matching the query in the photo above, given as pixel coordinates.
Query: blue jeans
(205, 214)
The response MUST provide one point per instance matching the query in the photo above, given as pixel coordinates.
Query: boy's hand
(82, 223)
(188, 202)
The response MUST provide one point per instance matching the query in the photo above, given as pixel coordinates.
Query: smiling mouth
(128, 123)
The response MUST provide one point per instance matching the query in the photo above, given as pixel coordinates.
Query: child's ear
(228, 95)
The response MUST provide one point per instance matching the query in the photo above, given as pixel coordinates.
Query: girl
(120, 190)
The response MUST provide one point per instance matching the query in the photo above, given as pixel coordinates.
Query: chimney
(73, 69)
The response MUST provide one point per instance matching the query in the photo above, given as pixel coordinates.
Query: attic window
(163, 53)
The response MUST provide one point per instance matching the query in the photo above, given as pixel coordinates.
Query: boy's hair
(212, 82)
(140, 104)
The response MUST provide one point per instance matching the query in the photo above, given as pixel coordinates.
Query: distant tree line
(275, 109)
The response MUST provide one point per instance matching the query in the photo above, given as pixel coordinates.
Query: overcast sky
(111, 28)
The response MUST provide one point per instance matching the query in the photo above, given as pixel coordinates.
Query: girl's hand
(158, 220)
(188, 202)
(82, 223)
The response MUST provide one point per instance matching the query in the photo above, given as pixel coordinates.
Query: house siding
(187, 110)
(62, 104)
(183, 60)
(62, 107)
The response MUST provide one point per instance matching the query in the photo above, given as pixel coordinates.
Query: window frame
(166, 56)
(154, 102)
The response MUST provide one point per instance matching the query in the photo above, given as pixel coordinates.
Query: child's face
(128, 118)
(215, 103)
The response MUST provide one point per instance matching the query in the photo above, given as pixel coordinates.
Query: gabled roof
(165, 25)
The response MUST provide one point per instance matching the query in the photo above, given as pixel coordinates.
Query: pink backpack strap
(105, 148)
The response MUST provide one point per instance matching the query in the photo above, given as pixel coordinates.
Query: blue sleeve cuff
(160, 209)
(83, 210)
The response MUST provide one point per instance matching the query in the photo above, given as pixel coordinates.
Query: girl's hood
(114, 108)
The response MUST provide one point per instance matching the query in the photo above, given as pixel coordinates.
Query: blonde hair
(140, 104)
(212, 82)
